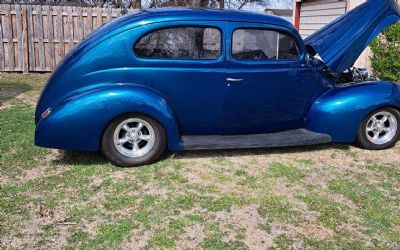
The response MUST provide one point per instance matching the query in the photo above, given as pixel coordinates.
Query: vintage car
(193, 79)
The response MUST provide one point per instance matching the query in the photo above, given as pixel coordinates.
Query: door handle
(233, 80)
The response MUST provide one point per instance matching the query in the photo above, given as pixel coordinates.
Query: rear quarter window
(180, 43)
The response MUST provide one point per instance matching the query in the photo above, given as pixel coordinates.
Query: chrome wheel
(381, 128)
(134, 137)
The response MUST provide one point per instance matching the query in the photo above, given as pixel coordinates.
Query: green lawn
(331, 196)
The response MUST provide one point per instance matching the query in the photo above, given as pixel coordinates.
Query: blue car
(194, 79)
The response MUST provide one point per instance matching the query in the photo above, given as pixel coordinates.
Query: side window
(288, 49)
(254, 44)
(180, 43)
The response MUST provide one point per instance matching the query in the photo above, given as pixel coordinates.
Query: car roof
(157, 15)
(181, 14)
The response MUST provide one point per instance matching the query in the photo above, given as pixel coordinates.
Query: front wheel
(379, 130)
(133, 140)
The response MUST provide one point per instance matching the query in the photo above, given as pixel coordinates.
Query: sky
(249, 6)
(259, 7)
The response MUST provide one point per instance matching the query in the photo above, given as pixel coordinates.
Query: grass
(289, 172)
(322, 197)
(329, 212)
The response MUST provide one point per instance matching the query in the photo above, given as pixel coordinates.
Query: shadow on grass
(90, 158)
(80, 158)
(255, 152)
(10, 90)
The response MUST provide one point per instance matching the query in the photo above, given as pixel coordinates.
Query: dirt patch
(4, 180)
(29, 98)
(137, 239)
(33, 228)
(314, 231)
(43, 170)
(247, 218)
(191, 237)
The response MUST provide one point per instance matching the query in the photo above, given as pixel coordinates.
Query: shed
(283, 13)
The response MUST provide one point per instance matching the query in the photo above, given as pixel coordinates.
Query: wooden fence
(34, 38)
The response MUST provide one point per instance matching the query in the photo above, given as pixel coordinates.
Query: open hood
(341, 42)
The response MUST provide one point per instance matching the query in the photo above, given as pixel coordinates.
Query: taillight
(46, 113)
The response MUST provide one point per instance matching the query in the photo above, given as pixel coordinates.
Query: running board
(290, 138)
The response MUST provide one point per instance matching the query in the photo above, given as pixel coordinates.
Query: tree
(239, 4)
(386, 54)
(138, 4)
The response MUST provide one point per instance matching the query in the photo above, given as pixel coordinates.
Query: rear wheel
(379, 130)
(133, 140)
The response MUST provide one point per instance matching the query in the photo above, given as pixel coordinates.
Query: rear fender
(340, 111)
(79, 122)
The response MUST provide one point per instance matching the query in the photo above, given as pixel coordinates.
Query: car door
(185, 62)
(269, 85)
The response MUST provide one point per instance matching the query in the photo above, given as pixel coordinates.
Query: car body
(226, 95)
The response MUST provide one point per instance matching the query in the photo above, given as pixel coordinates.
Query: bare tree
(138, 4)
(239, 4)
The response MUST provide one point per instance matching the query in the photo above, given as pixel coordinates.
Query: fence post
(25, 39)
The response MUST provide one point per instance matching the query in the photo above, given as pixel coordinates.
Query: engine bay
(352, 74)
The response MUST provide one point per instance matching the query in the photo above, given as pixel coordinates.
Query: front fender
(340, 111)
(78, 123)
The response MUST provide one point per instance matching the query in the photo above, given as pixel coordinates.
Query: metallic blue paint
(341, 42)
(340, 111)
(265, 84)
(102, 78)
(78, 122)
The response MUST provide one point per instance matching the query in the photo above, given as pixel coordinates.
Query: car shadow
(79, 158)
(255, 152)
(90, 158)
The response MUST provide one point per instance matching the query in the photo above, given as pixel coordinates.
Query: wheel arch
(395, 108)
(89, 113)
(340, 111)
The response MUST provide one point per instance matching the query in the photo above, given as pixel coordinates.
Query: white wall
(316, 14)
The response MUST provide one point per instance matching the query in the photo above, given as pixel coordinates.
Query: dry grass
(330, 196)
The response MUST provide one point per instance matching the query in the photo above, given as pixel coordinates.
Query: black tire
(112, 154)
(364, 142)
